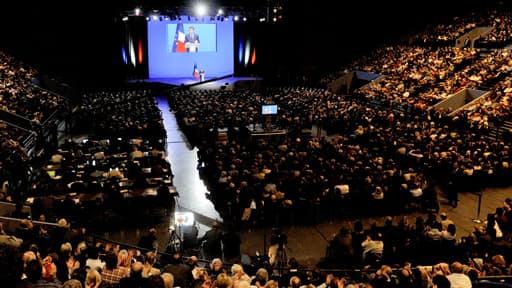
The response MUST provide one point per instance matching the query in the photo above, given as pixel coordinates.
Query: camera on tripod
(278, 237)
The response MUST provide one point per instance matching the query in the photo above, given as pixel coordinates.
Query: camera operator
(277, 250)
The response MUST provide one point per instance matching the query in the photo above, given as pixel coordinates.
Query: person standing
(212, 242)
(201, 75)
(192, 40)
(149, 241)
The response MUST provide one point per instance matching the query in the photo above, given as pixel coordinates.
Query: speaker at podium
(192, 47)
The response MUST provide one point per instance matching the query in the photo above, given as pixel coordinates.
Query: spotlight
(184, 218)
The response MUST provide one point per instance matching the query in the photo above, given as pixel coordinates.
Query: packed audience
(384, 150)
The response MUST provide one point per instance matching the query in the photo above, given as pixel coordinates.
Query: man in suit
(191, 40)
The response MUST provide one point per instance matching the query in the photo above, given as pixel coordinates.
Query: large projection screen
(168, 57)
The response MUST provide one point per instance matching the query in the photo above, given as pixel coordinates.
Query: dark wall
(64, 39)
(80, 40)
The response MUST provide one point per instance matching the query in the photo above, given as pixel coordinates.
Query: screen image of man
(192, 40)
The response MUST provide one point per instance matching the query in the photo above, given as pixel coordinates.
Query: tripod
(282, 259)
(175, 243)
(277, 251)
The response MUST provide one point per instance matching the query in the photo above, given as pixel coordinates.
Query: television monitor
(270, 109)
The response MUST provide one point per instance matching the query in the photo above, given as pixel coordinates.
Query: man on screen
(192, 40)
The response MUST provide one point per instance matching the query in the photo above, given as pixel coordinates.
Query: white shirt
(95, 263)
(459, 280)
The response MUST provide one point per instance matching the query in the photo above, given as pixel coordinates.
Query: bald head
(295, 282)
(27, 256)
(137, 267)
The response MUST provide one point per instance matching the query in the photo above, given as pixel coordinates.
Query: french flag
(179, 39)
(196, 72)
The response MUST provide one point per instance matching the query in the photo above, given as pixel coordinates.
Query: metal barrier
(6, 209)
(11, 224)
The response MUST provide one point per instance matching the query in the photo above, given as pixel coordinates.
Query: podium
(192, 47)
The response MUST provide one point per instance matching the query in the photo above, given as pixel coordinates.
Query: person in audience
(94, 260)
(260, 279)
(216, 267)
(457, 277)
(182, 272)
(93, 279)
(155, 281)
(34, 271)
(124, 260)
(135, 153)
(72, 283)
(238, 274)
(383, 277)
(373, 248)
(135, 279)
(441, 281)
(112, 273)
(445, 220)
(295, 282)
(168, 279)
(223, 280)
(50, 268)
(149, 262)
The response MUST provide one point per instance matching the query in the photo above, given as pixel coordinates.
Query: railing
(6, 208)
(354, 274)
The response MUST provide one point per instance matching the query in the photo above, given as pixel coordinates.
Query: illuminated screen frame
(269, 109)
(215, 55)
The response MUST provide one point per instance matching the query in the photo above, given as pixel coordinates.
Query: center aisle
(192, 190)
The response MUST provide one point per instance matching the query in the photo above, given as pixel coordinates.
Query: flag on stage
(179, 39)
(196, 72)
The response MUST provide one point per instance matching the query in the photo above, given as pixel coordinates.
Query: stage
(223, 82)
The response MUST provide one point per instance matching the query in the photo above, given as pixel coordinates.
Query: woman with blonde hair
(93, 279)
(238, 274)
(72, 283)
(124, 260)
(441, 268)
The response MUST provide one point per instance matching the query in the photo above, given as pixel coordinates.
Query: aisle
(183, 161)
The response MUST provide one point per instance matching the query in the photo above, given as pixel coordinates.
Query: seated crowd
(385, 153)
(396, 254)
